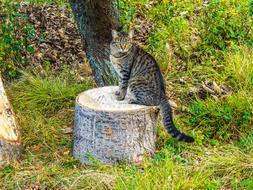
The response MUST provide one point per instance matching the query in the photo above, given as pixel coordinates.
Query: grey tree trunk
(112, 131)
(10, 141)
(95, 19)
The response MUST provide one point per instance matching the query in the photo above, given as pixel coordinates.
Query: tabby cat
(140, 73)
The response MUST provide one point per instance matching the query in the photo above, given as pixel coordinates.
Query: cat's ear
(131, 34)
(115, 34)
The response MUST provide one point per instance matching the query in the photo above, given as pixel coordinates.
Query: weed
(13, 45)
(246, 143)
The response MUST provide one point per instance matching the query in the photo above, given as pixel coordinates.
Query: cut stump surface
(112, 131)
(10, 142)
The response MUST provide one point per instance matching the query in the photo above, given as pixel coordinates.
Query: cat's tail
(168, 122)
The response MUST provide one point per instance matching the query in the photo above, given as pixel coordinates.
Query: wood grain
(10, 142)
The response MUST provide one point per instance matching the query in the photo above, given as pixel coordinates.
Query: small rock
(182, 81)
(67, 130)
(173, 104)
(193, 90)
(184, 13)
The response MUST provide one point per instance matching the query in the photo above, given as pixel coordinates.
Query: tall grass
(239, 67)
(46, 95)
(46, 104)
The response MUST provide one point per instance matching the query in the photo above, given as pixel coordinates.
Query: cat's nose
(123, 46)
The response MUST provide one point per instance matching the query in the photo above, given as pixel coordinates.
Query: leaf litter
(56, 42)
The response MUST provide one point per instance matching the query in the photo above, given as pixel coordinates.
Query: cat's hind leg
(144, 92)
(144, 98)
(136, 99)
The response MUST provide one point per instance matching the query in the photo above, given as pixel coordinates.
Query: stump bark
(112, 131)
(10, 141)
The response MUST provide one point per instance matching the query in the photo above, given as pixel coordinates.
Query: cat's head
(121, 42)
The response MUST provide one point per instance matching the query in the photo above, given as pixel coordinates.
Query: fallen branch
(10, 141)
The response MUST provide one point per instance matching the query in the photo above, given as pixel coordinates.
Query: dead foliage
(57, 41)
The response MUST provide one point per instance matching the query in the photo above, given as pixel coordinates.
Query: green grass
(222, 119)
(203, 169)
(44, 107)
(46, 104)
(232, 116)
(221, 157)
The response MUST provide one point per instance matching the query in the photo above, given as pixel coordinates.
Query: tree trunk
(95, 19)
(10, 142)
(112, 131)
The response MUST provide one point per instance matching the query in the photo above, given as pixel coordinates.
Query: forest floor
(206, 59)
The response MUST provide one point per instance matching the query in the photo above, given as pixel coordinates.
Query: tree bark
(112, 131)
(10, 141)
(95, 19)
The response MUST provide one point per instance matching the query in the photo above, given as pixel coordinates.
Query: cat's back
(146, 65)
(144, 61)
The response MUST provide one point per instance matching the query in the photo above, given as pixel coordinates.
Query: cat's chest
(117, 64)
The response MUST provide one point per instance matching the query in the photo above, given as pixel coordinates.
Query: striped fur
(140, 73)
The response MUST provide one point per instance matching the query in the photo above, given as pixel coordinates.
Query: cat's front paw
(120, 95)
(132, 101)
(120, 98)
(117, 93)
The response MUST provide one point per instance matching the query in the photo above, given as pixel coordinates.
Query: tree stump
(112, 131)
(10, 141)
